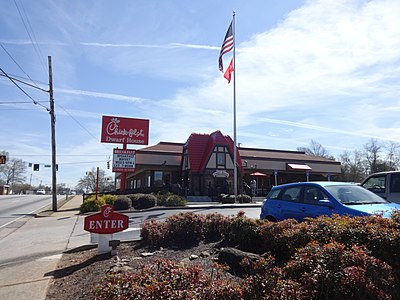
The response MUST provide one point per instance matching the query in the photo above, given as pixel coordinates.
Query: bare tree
(352, 166)
(88, 182)
(393, 155)
(316, 149)
(372, 151)
(13, 171)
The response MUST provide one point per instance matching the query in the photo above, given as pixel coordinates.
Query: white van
(384, 184)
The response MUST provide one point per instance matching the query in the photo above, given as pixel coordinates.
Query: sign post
(105, 223)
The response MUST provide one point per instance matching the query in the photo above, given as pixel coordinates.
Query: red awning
(258, 174)
(299, 167)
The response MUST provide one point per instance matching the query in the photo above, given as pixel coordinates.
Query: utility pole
(53, 139)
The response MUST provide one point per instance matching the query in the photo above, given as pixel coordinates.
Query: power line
(23, 78)
(34, 43)
(84, 128)
(18, 102)
(26, 83)
(12, 58)
(34, 101)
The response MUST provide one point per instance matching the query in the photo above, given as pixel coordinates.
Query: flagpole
(235, 175)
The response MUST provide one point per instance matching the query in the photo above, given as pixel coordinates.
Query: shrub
(168, 280)
(243, 198)
(244, 233)
(122, 203)
(143, 201)
(175, 200)
(109, 199)
(333, 271)
(162, 197)
(153, 233)
(213, 226)
(90, 204)
(184, 229)
(225, 198)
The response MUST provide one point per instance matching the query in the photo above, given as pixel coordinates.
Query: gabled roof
(200, 147)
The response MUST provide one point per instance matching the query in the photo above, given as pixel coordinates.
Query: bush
(184, 229)
(243, 231)
(122, 203)
(143, 201)
(90, 204)
(168, 280)
(333, 271)
(225, 199)
(162, 197)
(175, 200)
(213, 227)
(315, 259)
(109, 199)
(243, 198)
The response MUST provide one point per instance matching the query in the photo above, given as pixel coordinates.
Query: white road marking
(29, 213)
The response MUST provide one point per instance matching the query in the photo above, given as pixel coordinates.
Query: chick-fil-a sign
(106, 222)
(120, 130)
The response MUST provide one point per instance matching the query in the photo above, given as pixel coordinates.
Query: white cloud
(333, 63)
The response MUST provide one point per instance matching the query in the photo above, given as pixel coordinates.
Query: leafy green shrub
(122, 203)
(109, 199)
(90, 204)
(225, 198)
(162, 197)
(143, 201)
(243, 198)
(175, 200)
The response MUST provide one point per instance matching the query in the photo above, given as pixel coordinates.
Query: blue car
(312, 199)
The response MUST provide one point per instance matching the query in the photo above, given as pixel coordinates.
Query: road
(15, 207)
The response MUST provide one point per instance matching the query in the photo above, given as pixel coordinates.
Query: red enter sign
(106, 222)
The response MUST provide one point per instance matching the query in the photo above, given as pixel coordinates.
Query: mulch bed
(77, 273)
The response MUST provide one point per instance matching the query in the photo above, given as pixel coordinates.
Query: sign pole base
(103, 245)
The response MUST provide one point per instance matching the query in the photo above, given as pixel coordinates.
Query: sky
(322, 70)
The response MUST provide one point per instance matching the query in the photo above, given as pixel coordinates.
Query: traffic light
(36, 167)
(3, 159)
(108, 164)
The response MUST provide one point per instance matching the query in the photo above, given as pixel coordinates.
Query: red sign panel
(125, 130)
(124, 160)
(106, 222)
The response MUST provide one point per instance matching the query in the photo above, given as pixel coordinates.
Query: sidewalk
(31, 253)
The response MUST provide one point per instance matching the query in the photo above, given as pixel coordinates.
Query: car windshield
(353, 195)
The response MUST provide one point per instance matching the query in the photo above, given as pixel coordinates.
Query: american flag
(227, 46)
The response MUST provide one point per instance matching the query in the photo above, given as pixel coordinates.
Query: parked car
(384, 184)
(41, 192)
(312, 199)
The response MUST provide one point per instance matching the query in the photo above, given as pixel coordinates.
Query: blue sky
(325, 70)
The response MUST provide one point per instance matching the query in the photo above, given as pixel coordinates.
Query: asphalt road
(15, 207)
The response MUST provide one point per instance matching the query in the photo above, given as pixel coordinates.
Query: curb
(47, 211)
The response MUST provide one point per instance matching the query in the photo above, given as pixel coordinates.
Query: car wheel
(271, 219)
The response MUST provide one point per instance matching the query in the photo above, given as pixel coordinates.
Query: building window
(220, 159)
(158, 178)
